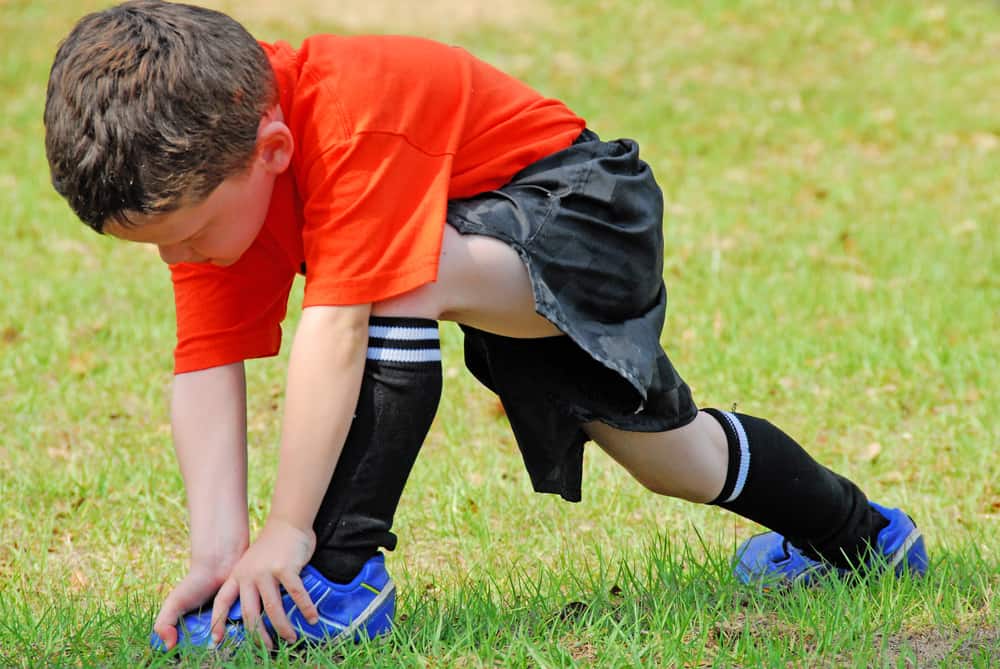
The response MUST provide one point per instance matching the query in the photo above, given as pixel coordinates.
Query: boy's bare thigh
(481, 282)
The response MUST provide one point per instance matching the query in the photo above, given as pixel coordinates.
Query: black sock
(399, 397)
(774, 482)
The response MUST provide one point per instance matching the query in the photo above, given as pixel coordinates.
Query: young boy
(410, 183)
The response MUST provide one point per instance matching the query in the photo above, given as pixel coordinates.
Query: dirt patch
(929, 648)
(582, 652)
(727, 631)
(951, 647)
(429, 17)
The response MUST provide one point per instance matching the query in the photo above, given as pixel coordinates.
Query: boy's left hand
(275, 558)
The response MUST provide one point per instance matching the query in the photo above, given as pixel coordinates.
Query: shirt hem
(369, 289)
(245, 347)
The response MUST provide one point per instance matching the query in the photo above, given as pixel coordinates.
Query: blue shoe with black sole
(361, 609)
(769, 560)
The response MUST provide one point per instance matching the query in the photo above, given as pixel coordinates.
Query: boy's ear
(274, 146)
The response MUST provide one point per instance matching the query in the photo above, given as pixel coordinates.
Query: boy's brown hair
(150, 105)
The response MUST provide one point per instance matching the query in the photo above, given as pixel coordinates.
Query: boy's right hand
(196, 589)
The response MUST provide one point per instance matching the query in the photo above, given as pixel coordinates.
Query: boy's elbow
(353, 316)
(347, 325)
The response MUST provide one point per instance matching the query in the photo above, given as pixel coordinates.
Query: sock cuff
(406, 340)
(739, 455)
(402, 322)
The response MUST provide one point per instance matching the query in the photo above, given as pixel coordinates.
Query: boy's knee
(689, 462)
(670, 487)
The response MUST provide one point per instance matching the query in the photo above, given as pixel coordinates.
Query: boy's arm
(324, 379)
(208, 417)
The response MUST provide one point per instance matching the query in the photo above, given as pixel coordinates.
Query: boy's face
(220, 228)
(217, 230)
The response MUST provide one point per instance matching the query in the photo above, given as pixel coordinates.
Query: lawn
(830, 171)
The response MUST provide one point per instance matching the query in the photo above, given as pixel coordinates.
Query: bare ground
(912, 649)
(929, 648)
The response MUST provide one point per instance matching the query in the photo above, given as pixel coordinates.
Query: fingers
(220, 608)
(166, 631)
(251, 594)
(275, 611)
(274, 606)
(166, 620)
(297, 591)
(254, 623)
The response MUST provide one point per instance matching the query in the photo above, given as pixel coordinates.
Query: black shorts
(588, 224)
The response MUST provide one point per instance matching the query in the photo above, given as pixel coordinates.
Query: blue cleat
(769, 560)
(363, 608)
(900, 543)
(194, 630)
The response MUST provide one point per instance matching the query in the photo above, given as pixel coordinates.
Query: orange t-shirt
(387, 130)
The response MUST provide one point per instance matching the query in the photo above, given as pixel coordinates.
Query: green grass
(832, 237)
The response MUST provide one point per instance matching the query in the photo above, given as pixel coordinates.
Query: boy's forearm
(208, 416)
(324, 379)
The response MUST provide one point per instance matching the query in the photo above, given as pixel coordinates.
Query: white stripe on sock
(404, 354)
(402, 333)
(741, 436)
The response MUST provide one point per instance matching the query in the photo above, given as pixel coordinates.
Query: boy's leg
(398, 399)
(481, 282)
(750, 467)
(689, 462)
(741, 463)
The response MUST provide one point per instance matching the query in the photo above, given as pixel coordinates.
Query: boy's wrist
(291, 518)
(218, 560)
(219, 539)
(301, 540)
(218, 552)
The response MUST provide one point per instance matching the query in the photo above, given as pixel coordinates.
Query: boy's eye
(196, 236)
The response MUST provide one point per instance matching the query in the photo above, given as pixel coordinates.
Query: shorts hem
(561, 323)
(641, 423)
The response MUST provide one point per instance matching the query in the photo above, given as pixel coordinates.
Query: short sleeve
(373, 218)
(229, 314)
